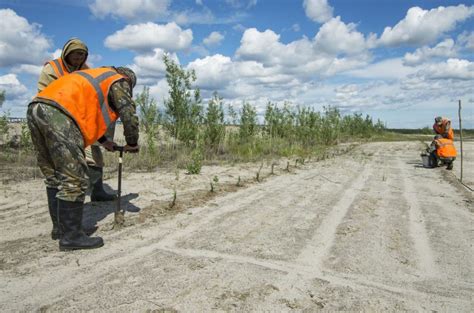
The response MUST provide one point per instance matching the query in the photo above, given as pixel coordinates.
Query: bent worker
(69, 115)
(73, 58)
(443, 151)
(442, 126)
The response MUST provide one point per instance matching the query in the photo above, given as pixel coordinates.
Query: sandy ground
(368, 230)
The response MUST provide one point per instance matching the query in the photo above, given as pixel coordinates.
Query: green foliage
(248, 123)
(183, 108)
(25, 137)
(150, 117)
(330, 129)
(195, 164)
(214, 131)
(4, 126)
(2, 97)
(233, 116)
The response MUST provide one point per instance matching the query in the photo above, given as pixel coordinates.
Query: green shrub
(195, 164)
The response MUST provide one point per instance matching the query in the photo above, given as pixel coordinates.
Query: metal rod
(119, 215)
(460, 135)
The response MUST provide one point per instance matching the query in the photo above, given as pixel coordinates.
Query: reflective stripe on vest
(83, 95)
(95, 82)
(58, 67)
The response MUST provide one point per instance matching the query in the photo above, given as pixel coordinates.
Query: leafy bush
(195, 164)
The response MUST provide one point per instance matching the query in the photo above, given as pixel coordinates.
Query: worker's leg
(65, 145)
(95, 163)
(433, 159)
(39, 118)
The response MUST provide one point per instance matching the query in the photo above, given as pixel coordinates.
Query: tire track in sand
(322, 241)
(424, 253)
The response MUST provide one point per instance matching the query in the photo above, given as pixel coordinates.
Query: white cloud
(318, 10)
(213, 39)
(151, 65)
(304, 59)
(239, 28)
(213, 72)
(12, 86)
(148, 36)
(335, 37)
(132, 10)
(386, 69)
(16, 34)
(296, 27)
(423, 27)
(238, 4)
(467, 41)
(34, 70)
(445, 49)
(451, 69)
(199, 2)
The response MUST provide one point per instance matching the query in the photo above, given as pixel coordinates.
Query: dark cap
(129, 73)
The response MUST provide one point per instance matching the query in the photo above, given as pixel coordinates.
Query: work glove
(131, 149)
(109, 145)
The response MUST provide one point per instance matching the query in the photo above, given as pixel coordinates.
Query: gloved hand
(109, 145)
(131, 149)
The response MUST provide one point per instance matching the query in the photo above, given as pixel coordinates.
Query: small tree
(233, 116)
(149, 116)
(183, 108)
(4, 126)
(2, 97)
(248, 122)
(214, 131)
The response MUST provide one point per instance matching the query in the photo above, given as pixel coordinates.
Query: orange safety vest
(83, 95)
(445, 148)
(60, 69)
(442, 129)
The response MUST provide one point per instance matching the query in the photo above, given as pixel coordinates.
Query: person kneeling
(443, 151)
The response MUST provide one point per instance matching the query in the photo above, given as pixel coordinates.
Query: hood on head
(71, 45)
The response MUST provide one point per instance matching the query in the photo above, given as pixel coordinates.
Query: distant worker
(442, 126)
(69, 115)
(443, 151)
(73, 58)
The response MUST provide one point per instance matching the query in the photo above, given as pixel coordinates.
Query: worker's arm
(121, 101)
(47, 76)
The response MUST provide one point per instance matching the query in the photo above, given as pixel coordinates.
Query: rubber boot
(450, 166)
(53, 211)
(97, 191)
(70, 221)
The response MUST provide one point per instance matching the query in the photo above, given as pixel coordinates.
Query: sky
(401, 61)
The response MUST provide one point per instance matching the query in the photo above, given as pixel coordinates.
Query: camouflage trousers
(60, 151)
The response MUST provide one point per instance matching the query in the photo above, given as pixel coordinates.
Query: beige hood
(71, 45)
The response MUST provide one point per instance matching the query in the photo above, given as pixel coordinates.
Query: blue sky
(400, 61)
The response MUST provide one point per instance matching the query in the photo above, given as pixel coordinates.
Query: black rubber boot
(97, 191)
(70, 221)
(450, 166)
(53, 211)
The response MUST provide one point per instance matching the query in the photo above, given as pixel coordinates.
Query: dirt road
(366, 230)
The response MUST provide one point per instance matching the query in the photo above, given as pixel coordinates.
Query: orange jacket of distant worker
(60, 69)
(444, 129)
(83, 95)
(445, 148)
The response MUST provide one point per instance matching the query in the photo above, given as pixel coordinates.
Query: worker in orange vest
(73, 58)
(69, 115)
(443, 151)
(442, 126)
